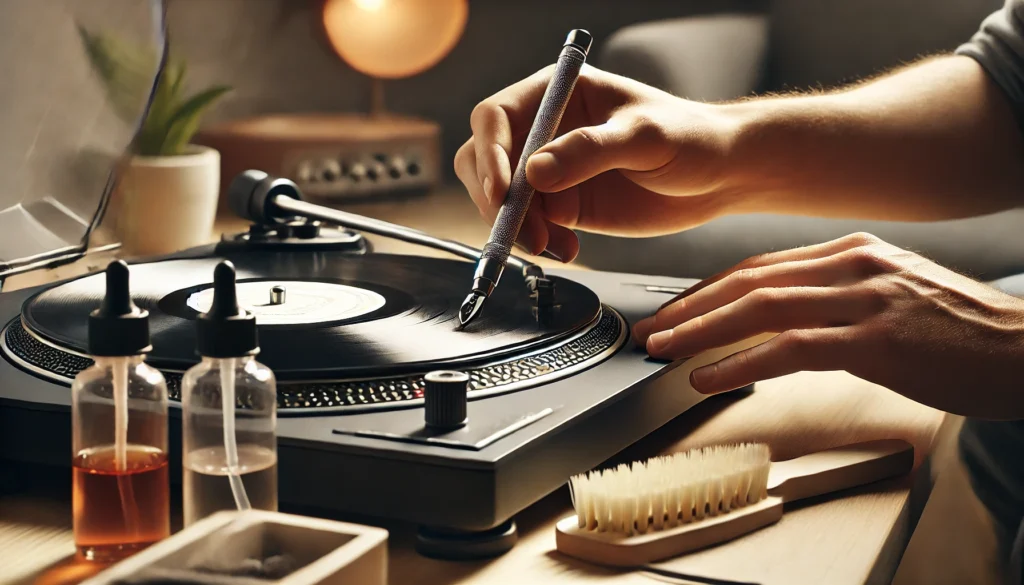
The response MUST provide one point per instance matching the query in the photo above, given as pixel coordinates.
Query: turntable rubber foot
(441, 543)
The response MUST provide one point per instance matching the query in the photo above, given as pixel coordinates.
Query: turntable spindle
(277, 294)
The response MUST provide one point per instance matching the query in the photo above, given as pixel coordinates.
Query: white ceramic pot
(169, 203)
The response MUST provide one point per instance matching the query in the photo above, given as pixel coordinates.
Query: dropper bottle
(120, 487)
(229, 412)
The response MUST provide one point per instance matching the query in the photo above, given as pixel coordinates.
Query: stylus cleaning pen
(513, 211)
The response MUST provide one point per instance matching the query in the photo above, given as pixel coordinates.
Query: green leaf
(166, 100)
(125, 71)
(178, 82)
(185, 122)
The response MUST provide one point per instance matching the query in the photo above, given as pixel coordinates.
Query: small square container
(315, 552)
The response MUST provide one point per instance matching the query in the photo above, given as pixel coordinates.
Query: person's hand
(629, 160)
(857, 304)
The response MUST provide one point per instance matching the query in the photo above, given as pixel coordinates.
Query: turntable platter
(335, 316)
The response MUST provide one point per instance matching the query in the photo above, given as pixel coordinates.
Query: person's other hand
(857, 304)
(629, 160)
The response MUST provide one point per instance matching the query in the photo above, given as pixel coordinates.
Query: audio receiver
(333, 157)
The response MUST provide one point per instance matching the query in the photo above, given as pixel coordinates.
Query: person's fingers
(793, 351)
(584, 153)
(497, 122)
(563, 244)
(766, 310)
(562, 208)
(492, 141)
(805, 253)
(840, 268)
(642, 330)
(533, 235)
(465, 170)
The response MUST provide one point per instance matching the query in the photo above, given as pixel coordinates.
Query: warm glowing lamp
(333, 156)
(392, 39)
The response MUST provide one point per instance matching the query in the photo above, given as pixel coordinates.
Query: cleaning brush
(652, 510)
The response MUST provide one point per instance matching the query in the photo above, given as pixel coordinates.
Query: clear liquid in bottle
(206, 486)
(229, 412)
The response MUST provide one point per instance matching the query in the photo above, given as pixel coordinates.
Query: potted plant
(167, 195)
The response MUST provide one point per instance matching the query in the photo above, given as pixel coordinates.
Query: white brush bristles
(668, 491)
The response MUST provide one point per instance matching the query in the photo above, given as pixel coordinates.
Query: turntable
(555, 385)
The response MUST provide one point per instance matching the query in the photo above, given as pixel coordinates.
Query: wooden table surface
(853, 537)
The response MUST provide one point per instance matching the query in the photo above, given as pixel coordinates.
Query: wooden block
(326, 552)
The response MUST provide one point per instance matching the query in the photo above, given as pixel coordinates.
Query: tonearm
(256, 196)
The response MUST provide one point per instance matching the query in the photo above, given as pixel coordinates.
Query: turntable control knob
(444, 399)
(396, 167)
(305, 173)
(331, 170)
(375, 171)
(413, 168)
(357, 172)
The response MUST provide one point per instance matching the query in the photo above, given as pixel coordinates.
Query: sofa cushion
(706, 58)
(818, 43)
(987, 247)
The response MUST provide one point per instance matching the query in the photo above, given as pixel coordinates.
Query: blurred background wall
(275, 56)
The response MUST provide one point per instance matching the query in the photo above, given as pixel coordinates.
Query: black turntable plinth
(555, 384)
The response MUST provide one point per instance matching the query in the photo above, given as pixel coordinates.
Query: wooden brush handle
(840, 468)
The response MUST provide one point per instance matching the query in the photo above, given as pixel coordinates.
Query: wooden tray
(325, 552)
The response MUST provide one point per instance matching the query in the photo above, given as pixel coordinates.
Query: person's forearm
(935, 140)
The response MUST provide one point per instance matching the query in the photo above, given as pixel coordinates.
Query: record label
(299, 302)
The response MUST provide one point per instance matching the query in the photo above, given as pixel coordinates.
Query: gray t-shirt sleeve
(990, 449)
(999, 47)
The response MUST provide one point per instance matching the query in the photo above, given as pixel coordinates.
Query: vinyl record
(328, 315)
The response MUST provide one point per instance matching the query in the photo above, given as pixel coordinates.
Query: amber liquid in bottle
(118, 512)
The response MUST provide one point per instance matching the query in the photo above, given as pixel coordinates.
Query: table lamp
(340, 157)
(393, 39)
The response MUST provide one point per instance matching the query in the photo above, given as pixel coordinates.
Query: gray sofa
(798, 44)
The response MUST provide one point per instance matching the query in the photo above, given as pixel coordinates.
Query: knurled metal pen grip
(520, 193)
(517, 201)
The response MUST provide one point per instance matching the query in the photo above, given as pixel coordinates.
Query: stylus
(513, 211)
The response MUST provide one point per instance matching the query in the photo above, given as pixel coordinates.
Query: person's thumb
(583, 153)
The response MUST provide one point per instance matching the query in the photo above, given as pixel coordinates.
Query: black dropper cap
(118, 327)
(226, 330)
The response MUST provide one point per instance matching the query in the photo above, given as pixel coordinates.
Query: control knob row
(331, 170)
